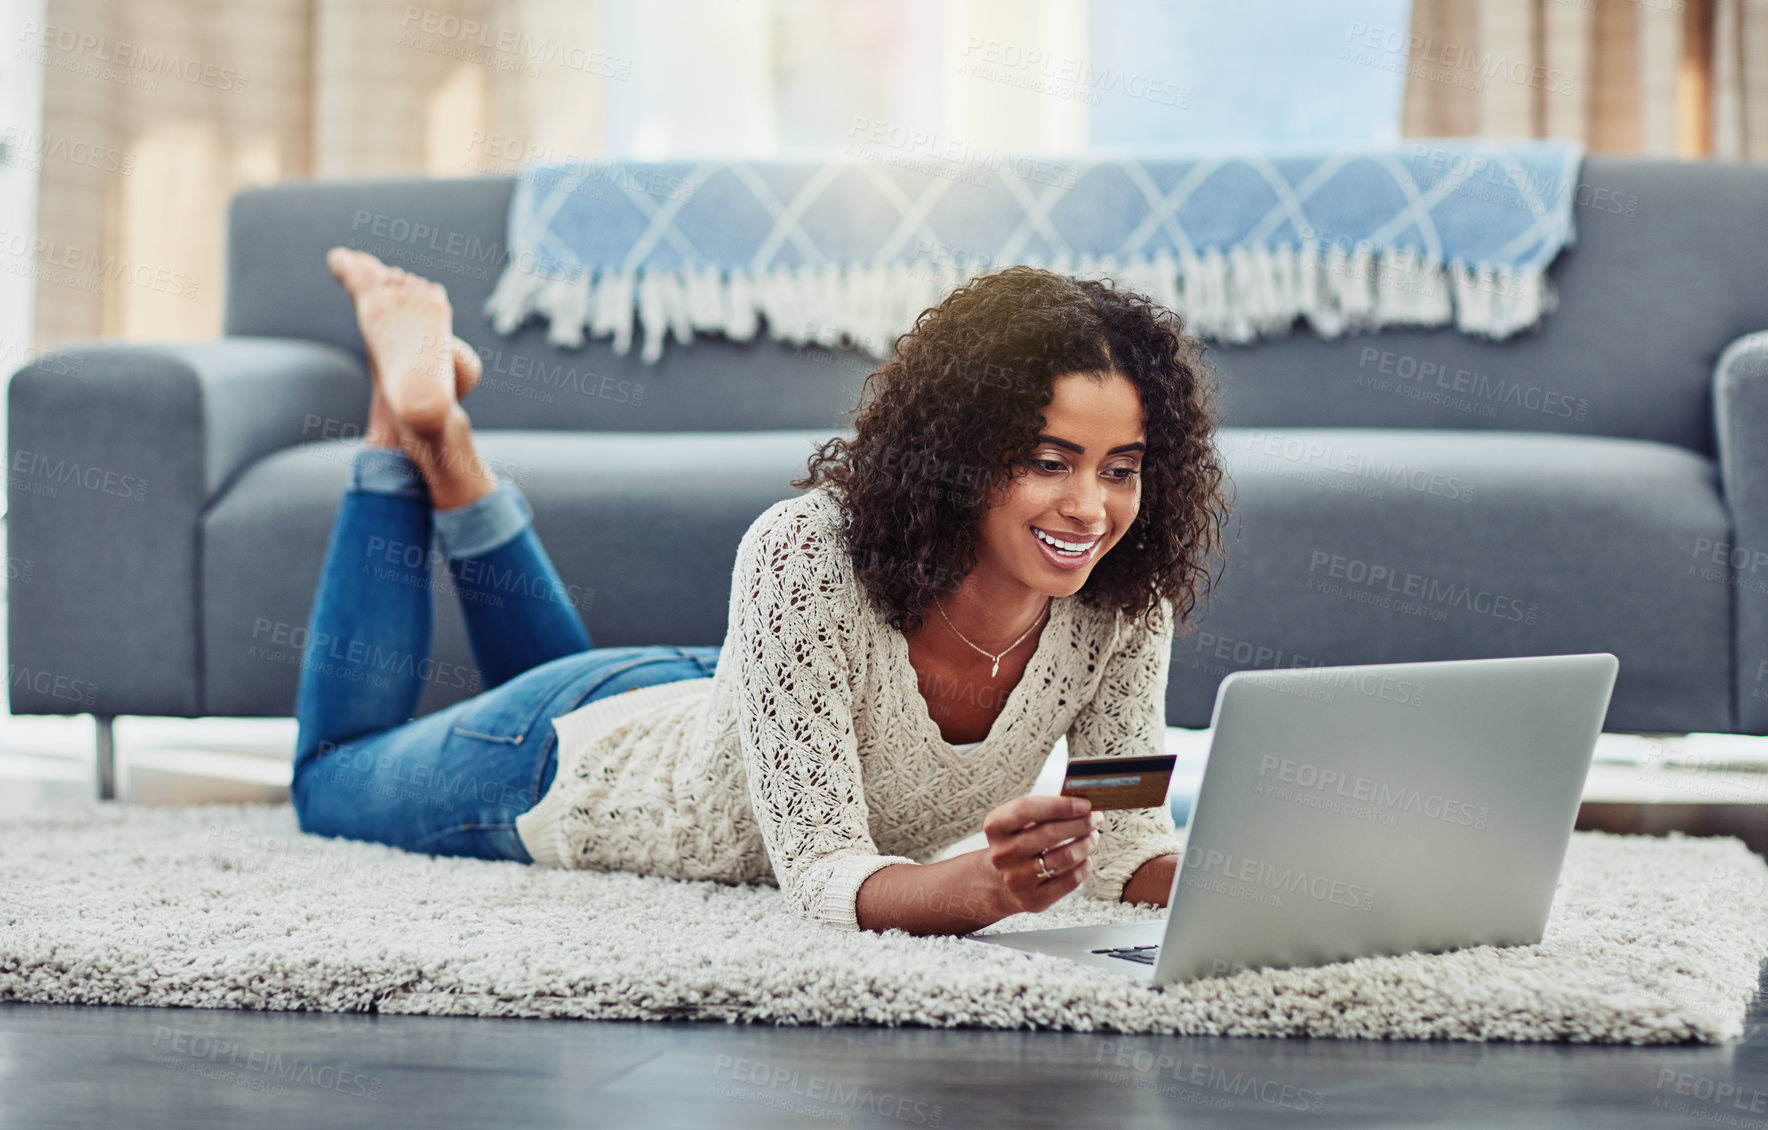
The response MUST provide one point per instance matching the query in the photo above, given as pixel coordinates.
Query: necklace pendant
(993, 671)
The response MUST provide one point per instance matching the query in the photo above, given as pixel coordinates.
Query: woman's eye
(1051, 466)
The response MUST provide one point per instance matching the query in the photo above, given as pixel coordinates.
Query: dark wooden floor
(186, 1069)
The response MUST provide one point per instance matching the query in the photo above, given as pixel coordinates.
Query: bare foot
(356, 268)
(406, 322)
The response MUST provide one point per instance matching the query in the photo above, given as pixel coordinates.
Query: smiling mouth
(1067, 546)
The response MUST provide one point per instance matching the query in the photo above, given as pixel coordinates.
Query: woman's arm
(953, 896)
(1153, 881)
(795, 716)
(979, 888)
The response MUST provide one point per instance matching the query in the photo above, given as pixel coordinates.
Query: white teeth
(1061, 547)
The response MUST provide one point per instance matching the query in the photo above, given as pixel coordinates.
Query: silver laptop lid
(1349, 811)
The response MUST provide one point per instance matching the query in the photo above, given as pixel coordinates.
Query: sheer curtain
(132, 247)
(1666, 78)
(205, 97)
(208, 96)
(1740, 80)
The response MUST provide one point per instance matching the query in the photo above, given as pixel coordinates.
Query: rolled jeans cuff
(387, 470)
(479, 527)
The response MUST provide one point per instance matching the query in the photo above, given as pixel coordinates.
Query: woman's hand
(1064, 829)
(964, 893)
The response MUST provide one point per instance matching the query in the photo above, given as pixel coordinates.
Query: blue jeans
(454, 781)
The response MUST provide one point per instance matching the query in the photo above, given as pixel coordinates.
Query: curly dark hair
(967, 383)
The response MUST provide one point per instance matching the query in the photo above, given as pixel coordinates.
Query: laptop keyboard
(1143, 954)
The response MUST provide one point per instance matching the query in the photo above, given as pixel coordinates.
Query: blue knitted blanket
(849, 251)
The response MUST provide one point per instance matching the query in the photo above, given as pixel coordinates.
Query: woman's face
(1082, 485)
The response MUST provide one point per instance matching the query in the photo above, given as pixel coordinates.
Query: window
(766, 78)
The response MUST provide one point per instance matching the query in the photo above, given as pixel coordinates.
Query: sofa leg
(107, 756)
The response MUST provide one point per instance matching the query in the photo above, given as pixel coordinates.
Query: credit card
(1120, 782)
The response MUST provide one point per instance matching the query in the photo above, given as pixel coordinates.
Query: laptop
(1364, 810)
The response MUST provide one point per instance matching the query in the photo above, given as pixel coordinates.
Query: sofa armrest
(113, 452)
(1740, 417)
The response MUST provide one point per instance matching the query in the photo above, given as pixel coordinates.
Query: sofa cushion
(1370, 545)
(1348, 546)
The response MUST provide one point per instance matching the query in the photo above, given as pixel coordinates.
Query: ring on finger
(1043, 866)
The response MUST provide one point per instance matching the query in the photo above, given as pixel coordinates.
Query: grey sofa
(1600, 483)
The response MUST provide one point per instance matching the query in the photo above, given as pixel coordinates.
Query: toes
(368, 262)
(341, 261)
(357, 270)
(467, 368)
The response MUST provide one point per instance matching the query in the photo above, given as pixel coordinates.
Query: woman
(1037, 465)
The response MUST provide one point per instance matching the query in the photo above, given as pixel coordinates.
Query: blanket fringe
(1237, 298)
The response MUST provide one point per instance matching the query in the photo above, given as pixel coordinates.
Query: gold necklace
(997, 658)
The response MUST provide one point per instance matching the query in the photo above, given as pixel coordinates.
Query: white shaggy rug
(231, 906)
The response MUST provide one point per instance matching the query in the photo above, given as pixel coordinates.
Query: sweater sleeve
(795, 718)
(1127, 718)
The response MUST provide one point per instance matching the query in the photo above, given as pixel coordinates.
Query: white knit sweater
(810, 758)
